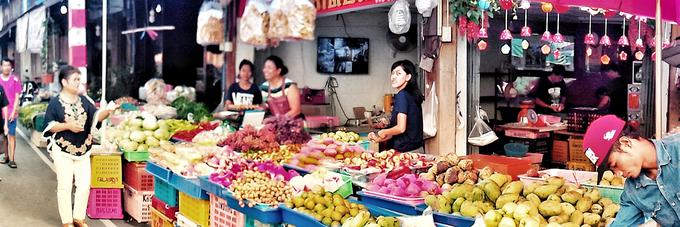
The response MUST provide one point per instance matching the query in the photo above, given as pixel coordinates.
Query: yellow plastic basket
(107, 171)
(160, 220)
(194, 209)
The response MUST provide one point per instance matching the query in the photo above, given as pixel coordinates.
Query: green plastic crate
(346, 189)
(135, 156)
(612, 193)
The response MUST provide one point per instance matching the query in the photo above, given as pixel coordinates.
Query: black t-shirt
(544, 91)
(412, 138)
(617, 91)
(254, 90)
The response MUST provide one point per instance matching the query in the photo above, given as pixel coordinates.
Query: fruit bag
(210, 24)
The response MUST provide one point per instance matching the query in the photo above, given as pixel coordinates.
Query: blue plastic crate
(213, 188)
(293, 217)
(191, 187)
(301, 171)
(158, 171)
(390, 204)
(165, 192)
(261, 213)
(450, 219)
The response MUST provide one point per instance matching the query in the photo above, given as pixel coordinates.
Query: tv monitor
(339, 55)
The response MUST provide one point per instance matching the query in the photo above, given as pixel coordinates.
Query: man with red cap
(652, 168)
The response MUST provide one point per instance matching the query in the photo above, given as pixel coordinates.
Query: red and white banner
(333, 7)
(77, 38)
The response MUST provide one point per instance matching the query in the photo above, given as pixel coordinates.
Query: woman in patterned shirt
(70, 118)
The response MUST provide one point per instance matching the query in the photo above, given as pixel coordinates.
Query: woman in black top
(405, 133)
(69, 120)
(244, 86)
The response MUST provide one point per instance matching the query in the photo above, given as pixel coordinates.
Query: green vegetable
(184, 106)
(27, 113)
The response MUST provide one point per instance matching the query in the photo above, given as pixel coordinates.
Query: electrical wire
(344, 26)
(331, 85)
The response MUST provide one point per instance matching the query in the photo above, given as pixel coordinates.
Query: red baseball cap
(601, 135)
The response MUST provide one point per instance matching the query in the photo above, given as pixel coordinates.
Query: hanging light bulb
(525, 44)
(63, 9)
(605, 59)
(481, 45)
(623, 40)
(545, 49)
(623, 55)
(505, 49)
(639, 55)
(589, 51)
(638, 41)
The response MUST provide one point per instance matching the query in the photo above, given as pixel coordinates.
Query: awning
(22, 34)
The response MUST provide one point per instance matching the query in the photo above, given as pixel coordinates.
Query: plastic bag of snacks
(255, 24)
(210, 24)
(278, 19)
(301, 20)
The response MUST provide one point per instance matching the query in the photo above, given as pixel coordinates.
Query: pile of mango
(506, 203)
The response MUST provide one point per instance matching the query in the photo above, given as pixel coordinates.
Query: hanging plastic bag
(255, 24)
(278, 19)
(399, 17)
(302, 20)
(210, 29)
(425, 7)
(430, 107)
(481, 134)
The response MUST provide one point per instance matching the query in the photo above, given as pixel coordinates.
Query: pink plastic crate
(410, 201)
(105, 204)
(223, 216)
(526, 134)
(322, 121)
(138, 204)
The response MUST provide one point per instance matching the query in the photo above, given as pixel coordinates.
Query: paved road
(28, 193)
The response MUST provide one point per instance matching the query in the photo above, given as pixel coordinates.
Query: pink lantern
(526, 31)
(639, 55)
(623, 56)
(605, 41)
(481, 45)
(639, 43)
(506, 4)
(506, 35)
(590, 39)
(547, 37)
(556, 53)
(558, 38)
(483, 33)
(623, 41)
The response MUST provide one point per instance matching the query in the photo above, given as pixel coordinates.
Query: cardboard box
(38, 140)
(576, 153)
(560, 152)
(581, 166)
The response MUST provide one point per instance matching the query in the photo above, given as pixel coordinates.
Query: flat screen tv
(337, 55)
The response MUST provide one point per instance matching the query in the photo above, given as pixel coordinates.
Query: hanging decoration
(589, 51)
(525, 44)
(546, 7)
(638, 42)
(506, 5)
(505, 49)
(605, 59)
(556, 53)
(557, 38)
(590, 38)
(623, 55)
(483, 4)
(483, 33)
(481, 45)
(605, 41)
(545, 49)
(623, 40)
(468, 14)
(526, 30)
(639, 55)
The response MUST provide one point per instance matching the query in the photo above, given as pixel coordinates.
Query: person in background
(405, 131)
(604, 100)
(651, 191)
(282, 94)
(551, 93)
(617, 89)
(69, 121)
(12, 87)
(243, 86)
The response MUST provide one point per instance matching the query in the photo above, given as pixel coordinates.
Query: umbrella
(668, 10)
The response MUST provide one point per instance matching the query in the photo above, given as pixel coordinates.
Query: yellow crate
(194, 209)
(160, 220)
(107, 171)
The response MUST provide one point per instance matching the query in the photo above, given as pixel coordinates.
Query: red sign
(331, 7)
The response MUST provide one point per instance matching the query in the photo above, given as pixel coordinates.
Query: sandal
(68, 225)
(12, 164)
(80, 223)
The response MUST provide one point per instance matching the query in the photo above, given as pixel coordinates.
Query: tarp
(36, 30)
(22, 33)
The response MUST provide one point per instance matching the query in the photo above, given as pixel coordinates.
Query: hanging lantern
(524, 4)
(481, 45)
(589, 51)
(545, 49)
(505, 34)
(605, 41)
(605, 59)
(483, 33)
(623, 56)
(557, 38)
(623, 40)
(547, 37)
(526, 30)
(505, 49)
(483, 4)
(638, 42)
(639, 55)
(590, 38)
(546, 7)
(525, 44)
(506, 4)
(561, 8)
(556, 53)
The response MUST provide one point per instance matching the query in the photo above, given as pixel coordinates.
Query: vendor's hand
(373, 137)
(74, 127)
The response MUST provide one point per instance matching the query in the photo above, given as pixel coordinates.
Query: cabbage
(150, 123)
(136, 123)
(148, 133)
(137, 136)
(162, 124)
(161, 134)
(152, 142)
(128, 145)
(142, 147)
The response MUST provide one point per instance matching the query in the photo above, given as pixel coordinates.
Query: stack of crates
(194, 209)
(106, 200)
(165, 202)
(138, 191)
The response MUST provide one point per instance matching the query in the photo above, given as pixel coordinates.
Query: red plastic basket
(105, 204)
(164, 208)
(135, 176)
(223, 216)
(138, 204)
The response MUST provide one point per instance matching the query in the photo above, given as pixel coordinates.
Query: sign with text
(333, 7)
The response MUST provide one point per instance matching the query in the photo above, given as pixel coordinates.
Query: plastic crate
(581, 166)
(390, 204)
(223, 216)
(453, 220)
(213, 188)
(136, 177)
(261, 213)
(535, 145)
(183, 221)
(568, 175)
(196, 210)
(39, 122)
(137, 204)
(526, 134)
(160, 220)
(107, 171)
(165, 192)
(136, 156)
(613, 193)
(164, 208)
(578, 120)
(560, 152)
(105, 204)
(158, 171)
(189, 186)
(293, 217)
(576, 153)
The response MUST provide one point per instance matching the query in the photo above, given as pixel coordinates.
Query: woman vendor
(405, 132)
(282, 94)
